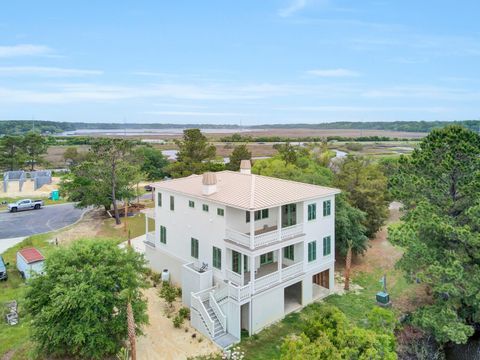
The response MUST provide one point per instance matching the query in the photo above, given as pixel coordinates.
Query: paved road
(48, 218)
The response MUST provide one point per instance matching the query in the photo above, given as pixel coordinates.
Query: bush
(156, 278)
(184, 312)
(178, 321)
(168, 293)
(354, 146)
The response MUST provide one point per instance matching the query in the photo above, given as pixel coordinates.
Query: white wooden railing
(221, 294)
(291, 231)
(218, 312)
(197, 304)
(238, 237)
(292, 270)
(267, 280)
(234, 277)
(239, 293)
(150, 238)
(266, 238)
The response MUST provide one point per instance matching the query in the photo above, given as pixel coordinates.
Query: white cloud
(192, 113)
(45, 71)
(293, 7)
(24, 50)
(333, 73)
(333, 108)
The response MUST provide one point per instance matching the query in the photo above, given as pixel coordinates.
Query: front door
(236, 262)
(289, 215)
(266, 258)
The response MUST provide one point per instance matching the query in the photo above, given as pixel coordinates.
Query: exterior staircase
(218, 329)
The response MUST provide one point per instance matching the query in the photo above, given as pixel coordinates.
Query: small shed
(29, 261)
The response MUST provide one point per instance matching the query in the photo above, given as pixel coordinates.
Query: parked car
(3, 270)
(30, 261)
(25, 204)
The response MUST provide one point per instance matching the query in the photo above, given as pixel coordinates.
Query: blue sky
(239, 62)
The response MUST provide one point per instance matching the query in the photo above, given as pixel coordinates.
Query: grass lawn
(135, 224)
(266, 344)
(16, 338)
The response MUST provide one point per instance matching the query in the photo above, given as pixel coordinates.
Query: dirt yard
(162, 341)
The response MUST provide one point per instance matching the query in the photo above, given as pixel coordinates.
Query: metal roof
(247, 191)
(31, 255)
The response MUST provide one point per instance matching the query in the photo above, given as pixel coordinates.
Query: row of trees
(18, 152)
(439, 185)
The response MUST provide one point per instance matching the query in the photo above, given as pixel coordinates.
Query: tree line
(18, 152)
(53, 127)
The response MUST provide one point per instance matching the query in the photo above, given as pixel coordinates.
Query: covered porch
(262, 271)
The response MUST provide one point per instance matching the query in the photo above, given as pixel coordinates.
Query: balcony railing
(240, 292)
(265, 238)
(150, 238)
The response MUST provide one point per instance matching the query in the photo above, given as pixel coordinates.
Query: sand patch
(163, 341)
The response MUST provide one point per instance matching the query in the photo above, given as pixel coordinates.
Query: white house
(246, 249)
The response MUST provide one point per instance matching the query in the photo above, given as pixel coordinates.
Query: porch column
(242, 265)
(279, 223)
(252, 273)
(252, 230)
(146, 225)
(279, 263)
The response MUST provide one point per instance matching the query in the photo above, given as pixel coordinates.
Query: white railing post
(252, 230)
(279, 223)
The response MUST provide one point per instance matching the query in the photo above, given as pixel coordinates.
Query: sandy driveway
(164, 342)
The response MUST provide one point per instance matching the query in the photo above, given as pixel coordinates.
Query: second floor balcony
(264, 236)
(259, 228)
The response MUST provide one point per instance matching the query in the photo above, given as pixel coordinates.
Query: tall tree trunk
(114, 197)
(131, 331)
(348, 264)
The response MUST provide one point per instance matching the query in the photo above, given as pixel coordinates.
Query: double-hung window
(327, 207)
(205, 207)
(327, 243)
(191, 203)
(312, 251)
(312, 211)
(194, 248)
(220, 212)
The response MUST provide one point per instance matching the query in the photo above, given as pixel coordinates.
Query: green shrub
(184, 312)
(168, 293)
(178, 321)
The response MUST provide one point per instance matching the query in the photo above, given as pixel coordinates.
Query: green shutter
(194, 248)
(312, 251)
(327, 244)
(159, 196)
(220, 212)
(191, 203)
(205, 207)
(312, 211)
(172, 203)
(163, 234)
(217, 258)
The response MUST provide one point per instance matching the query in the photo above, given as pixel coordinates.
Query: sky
(239, 61)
